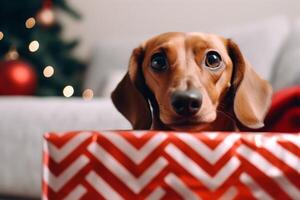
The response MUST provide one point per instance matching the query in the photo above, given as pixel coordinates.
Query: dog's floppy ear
(129, 97)
(252, 94)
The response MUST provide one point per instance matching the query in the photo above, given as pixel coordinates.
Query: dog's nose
(186, 103)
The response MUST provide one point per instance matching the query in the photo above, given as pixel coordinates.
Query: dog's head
(186, 77)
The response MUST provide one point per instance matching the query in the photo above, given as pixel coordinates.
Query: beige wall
(115, 20)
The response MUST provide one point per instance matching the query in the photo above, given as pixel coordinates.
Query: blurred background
(51, 50)
(75, 48)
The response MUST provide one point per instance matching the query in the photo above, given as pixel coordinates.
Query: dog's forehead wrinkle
(170, 46)
(207, 41)
(165, 38)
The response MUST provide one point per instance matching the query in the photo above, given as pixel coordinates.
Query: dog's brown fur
(233, 93)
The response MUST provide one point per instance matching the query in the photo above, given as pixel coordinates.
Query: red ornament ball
(17, 78)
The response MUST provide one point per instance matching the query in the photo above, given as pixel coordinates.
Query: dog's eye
(213, 59)
(159, 62)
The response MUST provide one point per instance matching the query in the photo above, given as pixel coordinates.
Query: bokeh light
(30, 22)
(1, 35)
(48, 71)
(68, 91)
(34, 46)
(88, 94)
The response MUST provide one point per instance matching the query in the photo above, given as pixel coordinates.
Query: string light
(1, 35)
(68, 91)
(34, 46)
(30, 22)
(88, 94)
(48, 71)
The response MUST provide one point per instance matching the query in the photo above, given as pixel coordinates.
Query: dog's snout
(186, 103)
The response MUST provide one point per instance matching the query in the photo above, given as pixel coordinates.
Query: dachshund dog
(191, 82)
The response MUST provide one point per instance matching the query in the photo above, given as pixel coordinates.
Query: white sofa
(25, 119)
(268, 45)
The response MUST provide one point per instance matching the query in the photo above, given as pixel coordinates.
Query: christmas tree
(34, 59)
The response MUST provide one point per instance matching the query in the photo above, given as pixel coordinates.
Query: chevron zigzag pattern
(170, 165)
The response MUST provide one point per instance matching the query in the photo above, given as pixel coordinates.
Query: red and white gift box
(171, 165)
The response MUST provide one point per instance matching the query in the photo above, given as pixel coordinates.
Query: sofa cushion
(287, 70)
